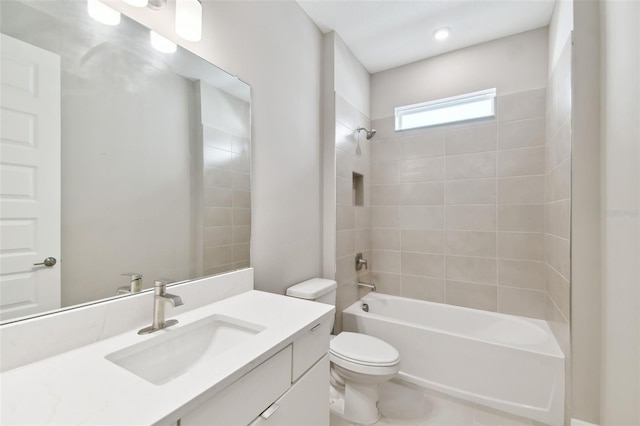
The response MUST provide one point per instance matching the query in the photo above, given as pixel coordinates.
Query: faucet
(160, 297)
(360, 261)
(135, 283)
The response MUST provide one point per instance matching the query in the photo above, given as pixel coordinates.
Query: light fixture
(441, 33)
(137, 3)
(189, 19)
(162, 44)
(102, 13)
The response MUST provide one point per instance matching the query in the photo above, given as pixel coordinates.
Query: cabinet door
(306, 403)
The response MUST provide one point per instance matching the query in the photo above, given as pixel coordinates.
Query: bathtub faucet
(371, 286)
(360, 261)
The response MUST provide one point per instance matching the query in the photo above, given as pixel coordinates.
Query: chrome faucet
(360, 261)
(160, 297)
(135, 283)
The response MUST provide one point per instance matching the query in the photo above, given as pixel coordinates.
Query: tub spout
(371, 286)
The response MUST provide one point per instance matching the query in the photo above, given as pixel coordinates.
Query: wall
(457, 211)
(620, 214)
(275, 48)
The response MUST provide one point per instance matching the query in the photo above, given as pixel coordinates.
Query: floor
(402, 404)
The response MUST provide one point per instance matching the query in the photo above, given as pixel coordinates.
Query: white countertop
(81, 387)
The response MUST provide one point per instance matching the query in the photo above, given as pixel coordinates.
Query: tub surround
(80, 386)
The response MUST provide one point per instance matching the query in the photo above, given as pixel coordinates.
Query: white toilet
(359, 363)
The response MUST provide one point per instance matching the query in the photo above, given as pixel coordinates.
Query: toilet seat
(364, 354)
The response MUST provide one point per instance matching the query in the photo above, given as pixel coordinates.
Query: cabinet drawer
(246, 398)
(306, 403)
(310, 347)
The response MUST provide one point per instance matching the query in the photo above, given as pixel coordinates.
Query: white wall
(275, 48)
(620, 388)
(505, 63)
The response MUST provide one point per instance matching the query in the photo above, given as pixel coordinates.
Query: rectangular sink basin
(174, 351)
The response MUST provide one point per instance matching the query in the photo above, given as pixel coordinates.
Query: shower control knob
(49, 261)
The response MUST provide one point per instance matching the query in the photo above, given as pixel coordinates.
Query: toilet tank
(317, 289)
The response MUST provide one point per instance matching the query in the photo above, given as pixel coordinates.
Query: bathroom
(300, 225)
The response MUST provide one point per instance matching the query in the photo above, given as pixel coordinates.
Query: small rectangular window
(470, 106)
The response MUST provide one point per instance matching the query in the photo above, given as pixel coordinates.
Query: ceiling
(385, 34)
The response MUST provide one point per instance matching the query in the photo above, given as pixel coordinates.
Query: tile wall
(226, 181)
(457, 212)
(353, 222)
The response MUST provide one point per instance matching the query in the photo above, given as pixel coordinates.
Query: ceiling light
(137, 3)
(441, 33)
(189, 19)
(162, 44)
(102, 13)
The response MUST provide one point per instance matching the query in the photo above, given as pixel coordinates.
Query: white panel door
(29, 178)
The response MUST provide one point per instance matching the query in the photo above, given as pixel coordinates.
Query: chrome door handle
(49, 261)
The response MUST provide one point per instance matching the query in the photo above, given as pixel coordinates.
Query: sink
(174, 351)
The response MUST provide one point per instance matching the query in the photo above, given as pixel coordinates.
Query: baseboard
(577, 422)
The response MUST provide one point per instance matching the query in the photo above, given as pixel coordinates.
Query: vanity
(237, 356)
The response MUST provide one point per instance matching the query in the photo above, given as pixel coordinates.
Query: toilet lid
(362, 349)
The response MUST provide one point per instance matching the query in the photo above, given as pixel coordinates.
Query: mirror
(116, 159)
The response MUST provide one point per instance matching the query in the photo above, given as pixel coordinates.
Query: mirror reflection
(123, 163)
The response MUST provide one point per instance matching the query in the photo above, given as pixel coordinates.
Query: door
(29, 178)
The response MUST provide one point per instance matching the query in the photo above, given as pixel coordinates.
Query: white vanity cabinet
(290, 388)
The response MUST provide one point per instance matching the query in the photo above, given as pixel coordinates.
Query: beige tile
(521, 190)
(521, 273)
(385, 217)
(446, 410)
(522, 105)
(345, 269)
(422, 193)
(217, 236)
(523, 302)
(472, 191)
(219, 158)
(424, 145)
(345, 112)
(218, 216)
(471, 218)
(346, 295)
(521, 245)
(521, 162)
(557, 254)
(471, 166)
(559, 326)
(521, 133)
(471, 269)
(387, 283)
(558, 182)
(526, 218)
(471, 243)
(385, 127)
(557, 218)
(241, 234)
(346, 138)
(216, 256)
(385, 261)
(344, 190)
(385, 172)
(472, 139)
(422, 217)
(385, 239)
(423, 241)
(343, 164)
(422, 169)
(345, 243)
(362, 217)
(241, 162)
(242, 199)
(240, 252)
(385, 150)
(344, 217)
(423, 288)
(217, 177)
(478, 296)
(216, 138)
(559, 290)
(385, 195)
(485, 416)
(558, 147)
(241, 217)
(217, 197)
(241, 181)
(362, 239)
(423, 264)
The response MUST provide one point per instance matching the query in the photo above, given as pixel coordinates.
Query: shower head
(370, 133)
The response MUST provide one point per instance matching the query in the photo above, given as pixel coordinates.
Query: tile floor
(403, 404)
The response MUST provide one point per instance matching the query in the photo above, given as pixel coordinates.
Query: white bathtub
(506, 362)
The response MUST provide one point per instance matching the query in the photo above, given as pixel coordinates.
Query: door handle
(49, 261)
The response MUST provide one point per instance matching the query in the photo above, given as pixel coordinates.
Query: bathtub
(506, 362)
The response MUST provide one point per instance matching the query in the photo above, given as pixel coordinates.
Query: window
(471, 106)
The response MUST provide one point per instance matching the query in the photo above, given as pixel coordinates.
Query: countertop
(81, 387)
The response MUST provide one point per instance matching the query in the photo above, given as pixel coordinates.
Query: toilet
(359, 363)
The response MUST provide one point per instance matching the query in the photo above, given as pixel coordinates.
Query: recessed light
(441, 33)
